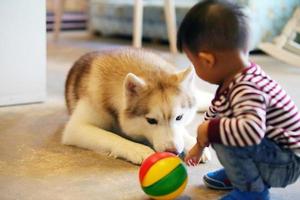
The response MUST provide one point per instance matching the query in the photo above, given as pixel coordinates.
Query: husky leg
(206, 156)
(190, 141)
(83, 130)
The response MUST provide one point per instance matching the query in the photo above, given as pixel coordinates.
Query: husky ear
(186, 76)
(133, 85)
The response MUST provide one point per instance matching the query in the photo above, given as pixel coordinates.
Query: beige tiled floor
(34, 165)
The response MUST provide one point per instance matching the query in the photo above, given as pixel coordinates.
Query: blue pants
(256, 167)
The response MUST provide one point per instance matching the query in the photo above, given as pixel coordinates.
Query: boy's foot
(217, 180)
(239, 195)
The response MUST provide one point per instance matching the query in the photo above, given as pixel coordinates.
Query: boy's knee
(277, 167)
(225, 151)
(280, 175)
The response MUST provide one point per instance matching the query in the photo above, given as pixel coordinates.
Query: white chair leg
(58, 12)
(137, 23)
(171, 24)
(88, 23)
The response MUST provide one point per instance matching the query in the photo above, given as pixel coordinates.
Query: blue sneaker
(217, 180)
(239, 195)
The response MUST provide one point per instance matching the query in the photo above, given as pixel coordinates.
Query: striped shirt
(252, 107)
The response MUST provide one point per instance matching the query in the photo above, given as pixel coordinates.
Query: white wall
(22, 51)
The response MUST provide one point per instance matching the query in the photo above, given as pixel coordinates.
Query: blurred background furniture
(170, 21)
(286, 46)
(118, 17)
(66, 15)
(58, 12)
(137, 21)
(115, 17)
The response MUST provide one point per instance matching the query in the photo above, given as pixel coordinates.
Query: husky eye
(179, 117)
(151, 120)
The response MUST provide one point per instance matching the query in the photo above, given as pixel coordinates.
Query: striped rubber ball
(163, 176)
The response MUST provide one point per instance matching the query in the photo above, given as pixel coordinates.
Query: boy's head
(215, 33)
(214, 25)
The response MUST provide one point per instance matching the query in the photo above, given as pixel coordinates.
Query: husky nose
(172, 150)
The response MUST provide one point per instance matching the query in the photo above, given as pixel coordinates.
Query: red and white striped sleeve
(246, 125)
(210, 113)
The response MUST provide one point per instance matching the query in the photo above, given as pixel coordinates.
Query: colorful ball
(163, 176)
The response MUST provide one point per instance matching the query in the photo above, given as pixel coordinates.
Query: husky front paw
(206, 155)
(138, 153)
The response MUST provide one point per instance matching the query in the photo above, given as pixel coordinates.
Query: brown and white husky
(129, 103)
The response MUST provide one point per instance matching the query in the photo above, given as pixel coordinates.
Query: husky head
(157, 108)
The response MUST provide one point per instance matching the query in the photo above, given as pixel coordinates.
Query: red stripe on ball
(151, 160)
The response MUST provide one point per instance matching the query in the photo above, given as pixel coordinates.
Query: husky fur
(129, 103)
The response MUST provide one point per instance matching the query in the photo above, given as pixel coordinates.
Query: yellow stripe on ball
(160, 169)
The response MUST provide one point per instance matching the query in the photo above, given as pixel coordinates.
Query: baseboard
(22, 99)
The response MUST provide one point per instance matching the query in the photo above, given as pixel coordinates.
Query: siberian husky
(129, 103)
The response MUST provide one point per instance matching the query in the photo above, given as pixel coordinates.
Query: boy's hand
(194, 155)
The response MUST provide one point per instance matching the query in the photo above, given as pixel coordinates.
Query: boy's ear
(133, 85)
(207, 58)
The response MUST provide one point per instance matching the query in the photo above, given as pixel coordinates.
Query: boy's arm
(210, 113)
(247, 124)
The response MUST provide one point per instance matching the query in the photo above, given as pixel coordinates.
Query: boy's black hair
(213, 25)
